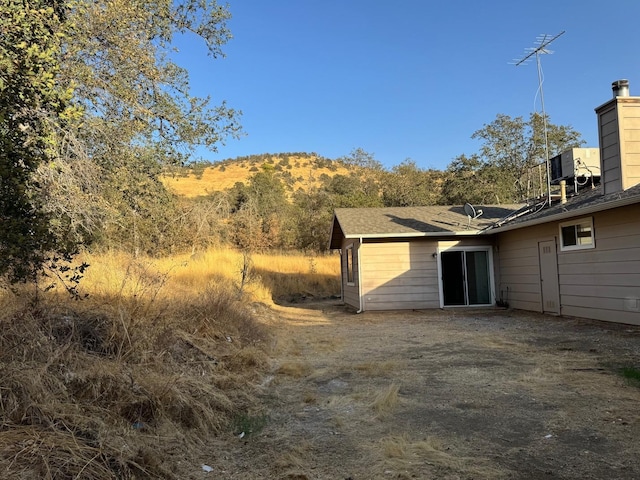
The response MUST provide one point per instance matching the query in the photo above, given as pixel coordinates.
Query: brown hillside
(295, 171)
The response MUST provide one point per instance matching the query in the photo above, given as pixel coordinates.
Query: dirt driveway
(459, 394)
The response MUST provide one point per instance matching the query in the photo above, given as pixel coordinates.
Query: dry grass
(82, 385)
(400, 452)
(295, 369)
(221, 177)
(291, 463)
(386, 400)
(378, 368)
(404, 455)
(310, 398)
(273, 276)
(294, 276)
(160, 356)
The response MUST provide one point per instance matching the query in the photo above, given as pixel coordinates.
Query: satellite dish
(471, 212)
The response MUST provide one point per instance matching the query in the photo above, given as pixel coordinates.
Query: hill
(296, 170)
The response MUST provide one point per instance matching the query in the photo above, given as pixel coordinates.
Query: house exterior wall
(602, 283)
(519, 268)
(399, 275)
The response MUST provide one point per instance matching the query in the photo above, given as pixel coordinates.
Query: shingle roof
(413, 221)
(452, 220)
(584, 203)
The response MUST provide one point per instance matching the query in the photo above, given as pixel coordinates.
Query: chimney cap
(620, 88)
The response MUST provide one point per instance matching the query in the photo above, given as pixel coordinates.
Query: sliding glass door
(466, 278)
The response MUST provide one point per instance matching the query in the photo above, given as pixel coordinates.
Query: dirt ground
(456, 394)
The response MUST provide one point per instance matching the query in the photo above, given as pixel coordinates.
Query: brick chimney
(619, 138)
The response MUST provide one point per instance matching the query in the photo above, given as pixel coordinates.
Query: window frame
(350, 263)
(575, 223)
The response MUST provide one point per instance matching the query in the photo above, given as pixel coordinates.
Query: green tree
(141, 211)
(360, 158)
(91, 108)
(515, 146)
(469, 180)
(407, 185)
(138, 113)
(118, 54)
(261, 212)
(354, 190)
(312, 213)
(32, 104)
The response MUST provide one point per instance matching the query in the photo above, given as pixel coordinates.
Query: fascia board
(413, 235)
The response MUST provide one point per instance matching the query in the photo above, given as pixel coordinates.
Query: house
(575, 254)
(414, 257)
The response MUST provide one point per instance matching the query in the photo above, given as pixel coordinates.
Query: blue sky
(410, 79)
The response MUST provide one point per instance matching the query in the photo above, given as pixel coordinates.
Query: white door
(549, 276)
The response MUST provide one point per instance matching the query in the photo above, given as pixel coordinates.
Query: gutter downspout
(341, 276)
(360, 280)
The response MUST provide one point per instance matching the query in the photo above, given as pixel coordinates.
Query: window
(350, 265)
(577, 235)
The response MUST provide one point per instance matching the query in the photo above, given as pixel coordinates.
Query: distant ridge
(297, 170)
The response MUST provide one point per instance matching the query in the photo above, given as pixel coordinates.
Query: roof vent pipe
(563, 192)
(620, 88)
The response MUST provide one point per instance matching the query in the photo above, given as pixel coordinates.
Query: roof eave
(414, 234)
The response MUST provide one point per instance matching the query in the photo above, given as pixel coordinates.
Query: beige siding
(350, 292)
(519, 266)
(630, 122)
(399, 275)
(465, 242)
(602, 283)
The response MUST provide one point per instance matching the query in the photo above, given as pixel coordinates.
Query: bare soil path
(459, 394)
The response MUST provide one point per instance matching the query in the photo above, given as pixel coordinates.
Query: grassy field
(131, 381)
(298, 173)
(267, 277)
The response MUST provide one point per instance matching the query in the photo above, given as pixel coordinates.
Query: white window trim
(577, 221)
(353, 264)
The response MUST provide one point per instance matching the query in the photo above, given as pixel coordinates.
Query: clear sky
(409, 79)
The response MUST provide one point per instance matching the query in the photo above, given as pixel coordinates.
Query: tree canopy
(515, 146)
(32, 103)
(92, 105)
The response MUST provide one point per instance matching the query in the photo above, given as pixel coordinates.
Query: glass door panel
(465, 277)
(453, 284)
(478, 290)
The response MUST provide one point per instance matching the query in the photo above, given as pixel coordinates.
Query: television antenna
(542, 42)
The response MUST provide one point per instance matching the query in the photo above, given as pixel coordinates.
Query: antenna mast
(542, 41)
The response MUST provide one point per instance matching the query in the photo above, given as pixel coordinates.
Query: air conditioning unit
(575, 163)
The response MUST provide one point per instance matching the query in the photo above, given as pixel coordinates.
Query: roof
(439, 221)
(392, 222)
(584, 203)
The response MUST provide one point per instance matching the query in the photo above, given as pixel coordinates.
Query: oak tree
(32, 104)
(514, 146)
